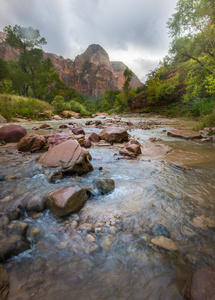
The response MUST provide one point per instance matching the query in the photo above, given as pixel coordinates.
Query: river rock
(17, 227)
(159, 229)
(2, 177)
(13, 213)
(12, 245)
(165, 243)
(45, 126)
(31, 142)
(184, 134)
(94, 137)
(202, 285)
(104, 185)
(36, 203)
(12, 133)
(114, 134)
(68, 156)
(4, 283)
(155, 151)
(132, 148)
(58, 138)
(66, 200)
(54, 176)
(87, 143)
(203, 222)
(78, 130)
(87, 227)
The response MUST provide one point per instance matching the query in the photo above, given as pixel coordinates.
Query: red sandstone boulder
(12, 133)
(114, 134)
(58, 138)
(67, 156)
(202, 285)
(66, 200)
(78, 130)
(184, 134)
(132, 148)
(94, 137)
(31, 142)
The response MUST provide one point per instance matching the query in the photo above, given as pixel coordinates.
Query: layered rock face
(91, 73)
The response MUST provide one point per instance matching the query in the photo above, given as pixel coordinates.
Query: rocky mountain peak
(92, 73)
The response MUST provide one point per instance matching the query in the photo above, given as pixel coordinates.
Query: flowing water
(119, 262)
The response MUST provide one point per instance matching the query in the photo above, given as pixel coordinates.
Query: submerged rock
(104, 185)
(12, 133)
(4, 283)
(202, 285)
(36, 203)
(31, 142)
(66, 200)
(12, 245)
(203, 222)
(159, 229)
(165, 243)
(69, 156)
(184, 134)
(114, 134)
(54, 176)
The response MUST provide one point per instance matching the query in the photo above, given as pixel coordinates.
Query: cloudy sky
(132, 31)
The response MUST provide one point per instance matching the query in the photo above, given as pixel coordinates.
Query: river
(151, 194)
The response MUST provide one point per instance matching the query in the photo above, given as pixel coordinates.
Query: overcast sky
(132, 31)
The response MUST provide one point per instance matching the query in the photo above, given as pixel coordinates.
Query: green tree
(128, 74)
(26, 39)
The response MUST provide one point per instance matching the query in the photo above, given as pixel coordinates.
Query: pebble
(90, 238)
(74, 224)
(7, 198)
(165, 243)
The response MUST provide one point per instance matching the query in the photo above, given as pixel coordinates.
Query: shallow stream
(119, 262)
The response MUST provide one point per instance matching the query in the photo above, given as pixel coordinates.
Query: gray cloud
(117, 25)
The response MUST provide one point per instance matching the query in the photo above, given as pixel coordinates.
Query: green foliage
(79, 108)
(11, 106)
(58, 104)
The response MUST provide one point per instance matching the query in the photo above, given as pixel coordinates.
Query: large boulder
(66, 200)
(58, 138)
(114, 134)
(31, 142)
(4, 283)
(184, 134)
(68, 156)
(202, 285)
(12, 133)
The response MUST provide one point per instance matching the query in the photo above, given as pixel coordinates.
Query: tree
(128, 74)
(26, 39)
(193, 29)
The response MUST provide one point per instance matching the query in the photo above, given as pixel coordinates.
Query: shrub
(13, 106)
(58, 104)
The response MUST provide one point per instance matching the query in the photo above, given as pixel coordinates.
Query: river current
(118, 261)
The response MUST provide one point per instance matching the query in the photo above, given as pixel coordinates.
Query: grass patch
(15, 106)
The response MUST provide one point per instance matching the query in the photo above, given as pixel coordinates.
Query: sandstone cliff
(91, 73)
